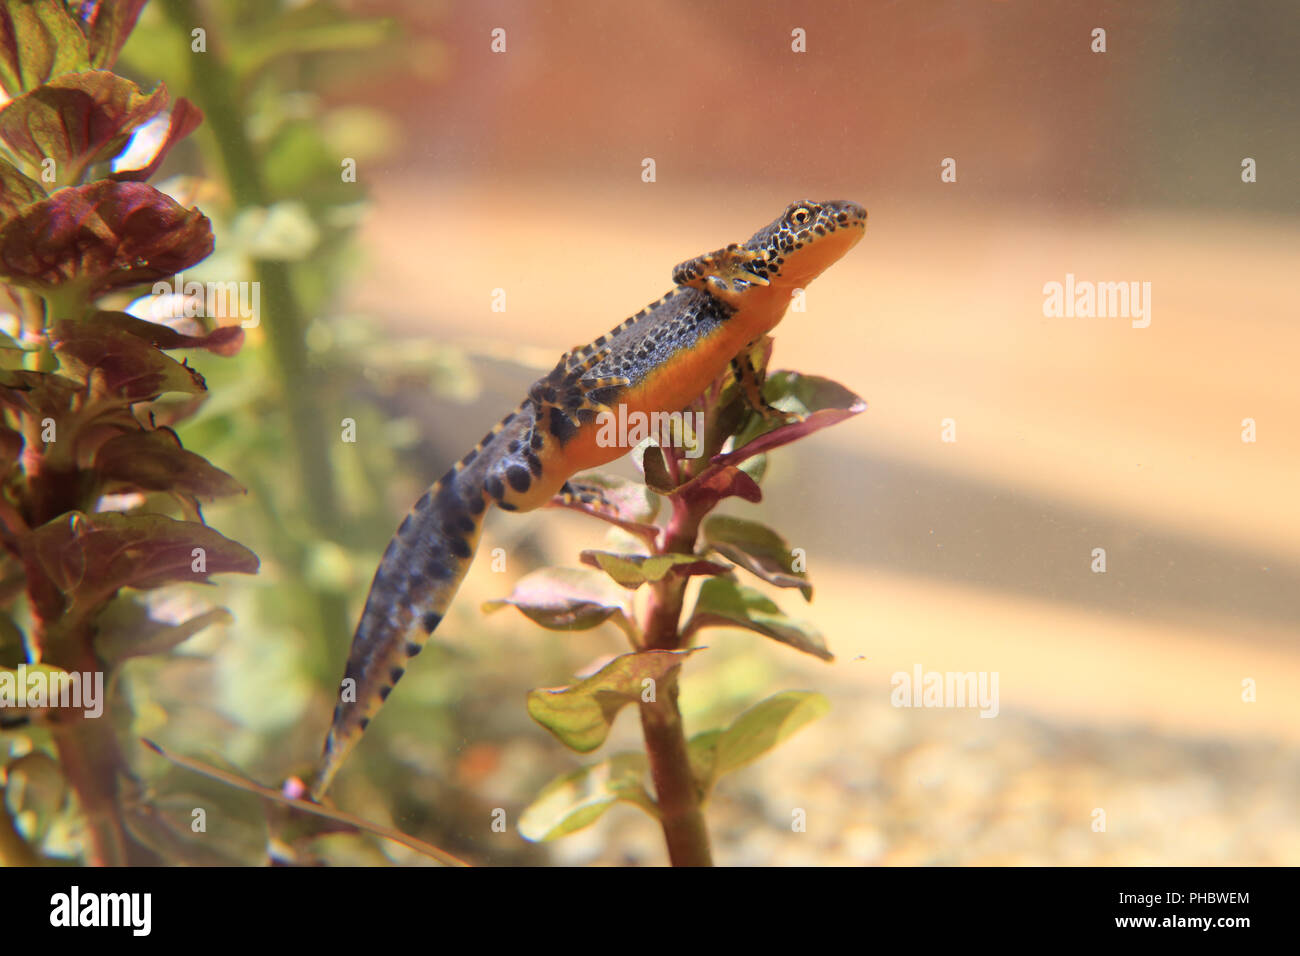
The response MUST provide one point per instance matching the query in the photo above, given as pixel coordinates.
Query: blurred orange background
(1121, 691)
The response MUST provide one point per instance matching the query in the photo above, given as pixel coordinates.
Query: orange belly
(669, 388)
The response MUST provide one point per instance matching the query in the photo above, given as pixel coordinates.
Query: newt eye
(800, 215)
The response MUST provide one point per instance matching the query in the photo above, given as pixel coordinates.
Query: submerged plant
(673, 778)
(99, 501)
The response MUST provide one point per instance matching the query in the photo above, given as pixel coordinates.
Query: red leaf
(11, 446)
(107, 24)
(185, 119)
(224, 340)
(717, 482)
(124, 366)
(77, 119)
(88, 557)
(105, 235)
(155, 461)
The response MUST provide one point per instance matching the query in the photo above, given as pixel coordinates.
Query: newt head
(785, 255)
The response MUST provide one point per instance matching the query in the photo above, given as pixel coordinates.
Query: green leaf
(752, 734)
(580, 715)
(724, 603)
(758, 549)
(820, 401)
(575, 800)
(702, 752)
(633, 570)
(38, 39)
(566, 599)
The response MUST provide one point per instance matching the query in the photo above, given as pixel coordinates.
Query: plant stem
(213, 86)
(675, 790)
(307, 407)
(661, 721)
(92, 758)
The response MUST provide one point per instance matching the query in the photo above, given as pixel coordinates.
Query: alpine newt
(659, 360)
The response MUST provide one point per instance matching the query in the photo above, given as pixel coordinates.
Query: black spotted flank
(412, 648)
(396, 674)
(494, 487)
(435, 570)
(518, 477)
(430, 622)
(460, 548)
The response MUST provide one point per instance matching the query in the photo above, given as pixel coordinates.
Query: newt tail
(659, 360)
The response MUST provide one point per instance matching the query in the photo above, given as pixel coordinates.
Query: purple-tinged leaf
(724, 603)
(185, 119)
(102, 236)
(106, 24)
(155, 461)
(758, 549)
(629, 505)
(224, 340)
(717, 482)
(121, 365)
(127, 628)
(17, 190)
(565, 599)
(77, 120)
(77, 562)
